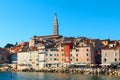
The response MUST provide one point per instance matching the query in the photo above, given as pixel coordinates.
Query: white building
(31, 59)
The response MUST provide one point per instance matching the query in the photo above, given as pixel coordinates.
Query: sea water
(53, 76)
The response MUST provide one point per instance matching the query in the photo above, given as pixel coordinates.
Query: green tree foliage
(8, 45)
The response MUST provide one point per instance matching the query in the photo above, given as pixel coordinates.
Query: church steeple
(55, 26)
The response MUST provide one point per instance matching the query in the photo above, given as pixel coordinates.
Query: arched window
(105, 60)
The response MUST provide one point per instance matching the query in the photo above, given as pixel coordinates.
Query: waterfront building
(23, 46)
(111, 53)
(61, 55)
(68, 45)
(4, 56)
(52, 58)
(83, 52)
(31, 59)
(97, 46)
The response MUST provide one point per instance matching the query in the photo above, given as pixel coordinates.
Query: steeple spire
(56, 25)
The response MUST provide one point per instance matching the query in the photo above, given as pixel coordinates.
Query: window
(76, 54)
(62, 54)
(77, 50)
(51, 49)
(54, 54)
(50, 59)
(49, 65)
(62, 50)
(76, 59)
(36, 59)
(57, 54)
(87, 54)
(105, 60)
(70, 59)
(30, 59)
(55, 59)
(115, 59)
(87, 59)
(37, 64)
(87, 49)
(57, 65)
(105, 54)
(115, 54)
(70, 54)
(62, 45)
(50, 54)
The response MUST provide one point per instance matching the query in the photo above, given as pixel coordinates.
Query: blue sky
(20, 20)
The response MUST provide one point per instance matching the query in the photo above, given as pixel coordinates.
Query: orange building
(67, 48)
(67, 53)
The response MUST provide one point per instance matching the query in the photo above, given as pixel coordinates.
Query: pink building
(83, 53)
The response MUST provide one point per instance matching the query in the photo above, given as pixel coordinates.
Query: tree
(8, 45)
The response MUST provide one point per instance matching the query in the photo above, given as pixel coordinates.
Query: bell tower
(55, 26)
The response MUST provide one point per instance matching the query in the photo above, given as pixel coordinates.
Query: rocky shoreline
(94, 71)
(84, 70)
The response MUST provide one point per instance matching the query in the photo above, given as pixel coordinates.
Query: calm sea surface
(52, 76)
